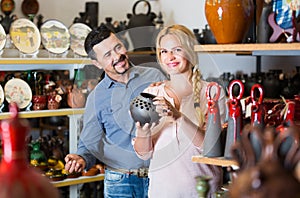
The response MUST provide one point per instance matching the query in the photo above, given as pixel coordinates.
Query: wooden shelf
(79, 180)
(45, 113)
(284, 48)
(218, 161)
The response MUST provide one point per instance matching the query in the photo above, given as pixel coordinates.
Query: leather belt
(140, 172)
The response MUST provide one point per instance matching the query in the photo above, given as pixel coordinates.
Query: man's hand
(74, 163)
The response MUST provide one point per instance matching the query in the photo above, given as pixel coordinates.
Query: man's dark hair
(95, 37)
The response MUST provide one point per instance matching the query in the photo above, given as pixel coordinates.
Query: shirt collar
(133, 73)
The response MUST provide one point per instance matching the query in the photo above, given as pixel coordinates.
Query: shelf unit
(255, 49)
(13, 60)
(218, 161)
(79, 180)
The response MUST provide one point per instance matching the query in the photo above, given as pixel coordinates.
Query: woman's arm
(142, 143)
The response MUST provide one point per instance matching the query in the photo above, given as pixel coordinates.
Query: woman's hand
(165, 108)
(145, 130)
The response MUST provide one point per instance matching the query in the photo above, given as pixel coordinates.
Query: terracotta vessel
(229, 20)
(17, 177)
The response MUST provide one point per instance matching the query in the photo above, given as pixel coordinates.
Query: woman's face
(172, 55)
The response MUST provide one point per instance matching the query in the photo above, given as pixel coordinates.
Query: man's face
(111, 56)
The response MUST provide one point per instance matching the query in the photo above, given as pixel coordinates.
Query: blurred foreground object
(17, 177)
(273, 175)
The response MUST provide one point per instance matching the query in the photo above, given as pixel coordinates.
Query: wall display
(2, 37)
(1, 95)
(55, 36)
(25, 36)
(17, 90)
(78, 33)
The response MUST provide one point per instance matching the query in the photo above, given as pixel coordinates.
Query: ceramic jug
(212, 145)
(235, 117)
(229, 20)
(141, 28)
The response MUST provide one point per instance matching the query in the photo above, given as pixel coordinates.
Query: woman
(181, 102)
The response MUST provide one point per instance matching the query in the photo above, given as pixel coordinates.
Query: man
(108, 128)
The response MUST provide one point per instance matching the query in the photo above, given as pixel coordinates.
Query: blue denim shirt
(108, 128)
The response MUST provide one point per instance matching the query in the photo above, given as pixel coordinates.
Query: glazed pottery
(39, 102)
(142, 109)
(235, 117)
(30, 7)
(212, 145)
(17, 177)
(257, 117)
(229, 20)
(202, 186)
(54, 101)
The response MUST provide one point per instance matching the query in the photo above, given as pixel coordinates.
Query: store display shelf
(218, 161)
(256, 49)
(45, 113)
(79, 180)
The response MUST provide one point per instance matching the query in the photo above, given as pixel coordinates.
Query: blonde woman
(181, 102)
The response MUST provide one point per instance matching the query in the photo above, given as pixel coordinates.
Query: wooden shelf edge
(45, 113)
(218, 161)
(235, 48)
(79, 180)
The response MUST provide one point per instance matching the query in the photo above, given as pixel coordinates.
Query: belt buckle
(142, 172)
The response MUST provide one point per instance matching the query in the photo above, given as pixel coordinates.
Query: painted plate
(55, 36)
(2, 38)
(17, 90)
(25, 36)
(78, 33)
(1, 95)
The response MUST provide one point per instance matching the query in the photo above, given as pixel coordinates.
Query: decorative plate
(79, 32)
(17, 90)
(1, 95)
(25, 36)
(55, 36)
(2, 37)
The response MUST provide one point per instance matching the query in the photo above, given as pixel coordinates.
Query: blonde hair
(188, 40)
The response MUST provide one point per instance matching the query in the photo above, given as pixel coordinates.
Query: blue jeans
(117, 185)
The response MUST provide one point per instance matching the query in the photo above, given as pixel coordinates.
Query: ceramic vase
(17, 177)
(257, 117)
(143, 110)
(202, 186)
(235, 117)
(229, 20)
(212, 145)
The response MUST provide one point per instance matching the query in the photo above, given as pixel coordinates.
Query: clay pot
(142, 109)
(229, 20)
(39, 102)
(54, 101)
(76, 99)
